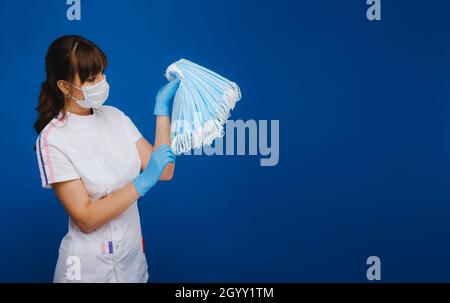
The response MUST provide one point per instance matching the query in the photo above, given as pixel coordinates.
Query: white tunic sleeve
(54, 166)
(132, 131)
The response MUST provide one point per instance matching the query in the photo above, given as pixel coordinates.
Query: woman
(98, 164)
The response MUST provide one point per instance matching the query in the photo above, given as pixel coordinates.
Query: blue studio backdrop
(364, 137)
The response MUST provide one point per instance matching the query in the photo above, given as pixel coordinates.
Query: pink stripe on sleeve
(51, 173)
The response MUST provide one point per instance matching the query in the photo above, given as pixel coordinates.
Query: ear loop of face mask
(78, 100)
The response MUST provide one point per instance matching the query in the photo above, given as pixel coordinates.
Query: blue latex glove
(165, 96)
(160, 157)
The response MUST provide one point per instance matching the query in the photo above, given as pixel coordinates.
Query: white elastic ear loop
(78, 100)
(70, 95)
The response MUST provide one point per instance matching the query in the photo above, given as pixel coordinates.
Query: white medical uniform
(100, 149)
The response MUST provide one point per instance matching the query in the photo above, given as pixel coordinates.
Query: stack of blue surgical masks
(201, 105)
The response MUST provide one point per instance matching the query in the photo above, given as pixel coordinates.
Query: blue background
(364, 137)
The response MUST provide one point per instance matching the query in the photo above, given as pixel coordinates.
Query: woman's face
(73, 89)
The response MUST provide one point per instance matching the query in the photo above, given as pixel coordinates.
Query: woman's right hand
(160, 157)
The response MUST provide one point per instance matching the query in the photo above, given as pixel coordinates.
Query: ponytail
(51, 102)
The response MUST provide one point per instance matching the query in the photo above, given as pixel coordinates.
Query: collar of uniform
(82, 118)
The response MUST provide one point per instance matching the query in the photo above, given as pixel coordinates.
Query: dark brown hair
(66, 57)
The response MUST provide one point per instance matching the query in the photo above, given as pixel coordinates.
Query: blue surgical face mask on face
(94, 95)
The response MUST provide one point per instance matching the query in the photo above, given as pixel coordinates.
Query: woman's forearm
(162, 133)
(162, 136)
(98, 213)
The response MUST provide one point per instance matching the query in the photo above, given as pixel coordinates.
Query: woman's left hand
(165, 96)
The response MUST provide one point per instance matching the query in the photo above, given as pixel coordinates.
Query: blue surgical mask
(94, 95)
